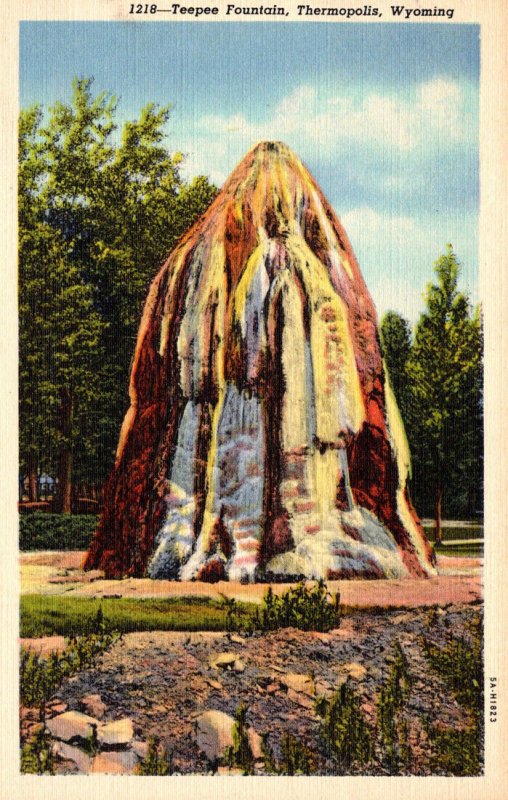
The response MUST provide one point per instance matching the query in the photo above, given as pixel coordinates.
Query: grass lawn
(43, 615)
(459, 533)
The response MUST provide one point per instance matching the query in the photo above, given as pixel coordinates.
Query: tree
(445, 379)
(395, 335)
(97, 217)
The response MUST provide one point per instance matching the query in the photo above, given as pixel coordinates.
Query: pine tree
(445, 378)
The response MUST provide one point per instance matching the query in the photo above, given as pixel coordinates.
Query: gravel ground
(163, 681)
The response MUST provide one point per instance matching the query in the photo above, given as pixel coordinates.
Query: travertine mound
(263, 440)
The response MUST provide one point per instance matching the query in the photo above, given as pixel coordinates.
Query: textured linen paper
(388, 106)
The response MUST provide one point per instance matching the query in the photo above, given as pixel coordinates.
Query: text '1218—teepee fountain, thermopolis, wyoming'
(263, 441)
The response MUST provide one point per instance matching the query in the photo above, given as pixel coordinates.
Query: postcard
(252, 415)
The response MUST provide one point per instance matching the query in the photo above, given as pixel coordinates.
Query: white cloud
(396, 255)
(328, 125)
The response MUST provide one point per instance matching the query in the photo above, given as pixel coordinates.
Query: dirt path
(60, 573)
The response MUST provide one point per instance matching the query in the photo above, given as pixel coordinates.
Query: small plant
(36, 755)
(392, 725)
(157, 761)
(301, 607)
(460, 664)
(40, 677)
(345, 734)
(297, 758)
(456, 752)
(91, 744)
(240, 753)
(232, 623)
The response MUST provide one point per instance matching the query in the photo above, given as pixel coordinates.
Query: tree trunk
(438, 530)
(31, 466)
(62, 503)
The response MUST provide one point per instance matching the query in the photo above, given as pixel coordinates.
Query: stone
(92, 704)
(68, 752)
(301, 699)
(214, 733)
(72, 725)
(229, 771)
(238, 666)
(223, 660)
(278, 389)
(298, 682)
(255, 744)
(114, 763)
(119, 732)
(354, 670)
(140, 748)
(57, 707)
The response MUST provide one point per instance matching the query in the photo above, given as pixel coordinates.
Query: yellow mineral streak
(324, 475)
(339, 400)
(296, 396)
(207, 288)
(414, 534)
(330, 235)
(255, 261)
(398, 441)
(174, 268)
(396, 431)
(210, 517)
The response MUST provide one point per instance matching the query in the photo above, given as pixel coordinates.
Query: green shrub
(460, 664)
(456, 752)
(40, 677)
(40, 531)
(344, 731)
(157, 761)
(240, 753)
(36, 755)
(301, 607)
(297, 758)
(392, 725)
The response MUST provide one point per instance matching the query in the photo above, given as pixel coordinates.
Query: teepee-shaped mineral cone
(263, 440)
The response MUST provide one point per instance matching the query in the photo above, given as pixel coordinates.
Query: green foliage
(456, 752)
(445, 419)
(344, 731)
(43, 615)
(392, 725)
(157, 761)
(40, 677)
(297, 758)
(301, 607)
(98, 213)
(36, 755)
(460, 663)
(39, 531)
(395, 336)
(240, 753)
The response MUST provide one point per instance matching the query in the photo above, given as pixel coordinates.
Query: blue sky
(385, 116)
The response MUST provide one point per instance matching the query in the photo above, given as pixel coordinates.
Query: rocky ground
(166, 684)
